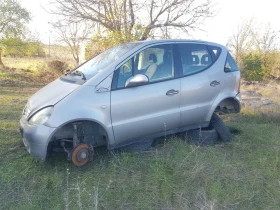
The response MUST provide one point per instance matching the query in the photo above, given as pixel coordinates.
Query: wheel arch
(64, 130)
(225, 105)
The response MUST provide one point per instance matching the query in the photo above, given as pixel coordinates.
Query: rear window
(230, 65)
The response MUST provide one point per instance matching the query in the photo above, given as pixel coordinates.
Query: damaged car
(131, 93)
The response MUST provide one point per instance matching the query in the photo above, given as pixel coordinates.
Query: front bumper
(35, 138)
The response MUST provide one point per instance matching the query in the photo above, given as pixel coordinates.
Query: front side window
(155, 62)
(194, 58)
(125, 72)
(230, 64)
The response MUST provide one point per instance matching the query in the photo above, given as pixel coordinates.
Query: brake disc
(81, 154)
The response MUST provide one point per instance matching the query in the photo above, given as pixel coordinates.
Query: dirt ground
(261, 95)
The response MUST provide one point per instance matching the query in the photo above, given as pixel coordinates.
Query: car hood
(51, 94)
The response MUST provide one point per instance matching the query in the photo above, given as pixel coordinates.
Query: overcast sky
(218, 29)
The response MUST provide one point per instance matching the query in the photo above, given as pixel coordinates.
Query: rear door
(201, 82)
(148, 109)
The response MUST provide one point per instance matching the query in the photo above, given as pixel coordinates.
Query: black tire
(202, 137)
(222, 130)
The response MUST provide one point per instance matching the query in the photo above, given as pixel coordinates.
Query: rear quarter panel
(229, 90)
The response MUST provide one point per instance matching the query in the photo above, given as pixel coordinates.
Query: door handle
(214, 83)
(172, 92)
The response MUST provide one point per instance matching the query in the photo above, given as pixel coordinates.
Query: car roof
(177, 41)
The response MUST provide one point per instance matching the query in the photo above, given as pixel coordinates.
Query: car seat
(153, 67)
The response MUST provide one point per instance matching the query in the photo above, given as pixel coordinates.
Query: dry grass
(40, 64)
(31, 64)
(30, 70)
(269, 89)
(55, 52)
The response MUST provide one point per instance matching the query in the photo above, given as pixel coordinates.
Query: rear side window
(215, 52)
(230, 64)
(194, 58)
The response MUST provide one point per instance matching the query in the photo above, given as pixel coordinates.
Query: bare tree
(266, 44)
(137, 19)
(266, 39)
(73, 34)
(248, 39)
(242, 40)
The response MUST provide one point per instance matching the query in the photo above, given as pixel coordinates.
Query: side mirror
(136, 80)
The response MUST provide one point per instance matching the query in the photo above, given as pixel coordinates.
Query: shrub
(16, 47)
(34, 49)
(253, 68)
(261, 65)
(58, 66)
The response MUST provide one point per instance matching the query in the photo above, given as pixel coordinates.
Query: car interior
(155, 63)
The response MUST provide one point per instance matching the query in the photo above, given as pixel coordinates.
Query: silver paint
(131, 113)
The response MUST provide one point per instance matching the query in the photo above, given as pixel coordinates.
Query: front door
(145, 110)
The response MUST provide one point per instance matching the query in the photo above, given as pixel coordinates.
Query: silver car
(129, 93)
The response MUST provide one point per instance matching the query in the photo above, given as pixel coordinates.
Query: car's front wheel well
(228, 105)
(86, 131)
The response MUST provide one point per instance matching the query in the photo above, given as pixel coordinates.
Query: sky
(230, 14)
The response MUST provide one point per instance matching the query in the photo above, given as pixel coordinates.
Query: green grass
(243, 175)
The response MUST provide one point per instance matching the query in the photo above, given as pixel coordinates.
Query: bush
(58, 66)
(253, 68)
(16, 47)
(34, 49)
(261, 65)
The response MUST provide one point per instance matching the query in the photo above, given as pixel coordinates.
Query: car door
(200, 82)
(149, 109)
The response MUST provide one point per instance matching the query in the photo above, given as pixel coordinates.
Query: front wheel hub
(81, 154)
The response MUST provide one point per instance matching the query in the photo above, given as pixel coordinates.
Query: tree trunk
(146, 33)
(1, 63)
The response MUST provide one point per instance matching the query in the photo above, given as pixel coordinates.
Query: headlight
(41, 116)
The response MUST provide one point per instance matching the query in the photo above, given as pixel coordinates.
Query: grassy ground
(241, 175)
(35, 65)
(27, 63)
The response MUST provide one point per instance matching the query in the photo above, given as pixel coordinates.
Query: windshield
(101, 61)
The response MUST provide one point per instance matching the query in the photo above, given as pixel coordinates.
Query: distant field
(53, 52)
(241, 175)
(32, 64)
(58, 52)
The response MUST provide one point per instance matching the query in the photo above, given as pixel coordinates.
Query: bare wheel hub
(80, 154)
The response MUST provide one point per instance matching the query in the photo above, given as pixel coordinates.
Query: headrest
(195, 59)
(205, 59)
(153, 57)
